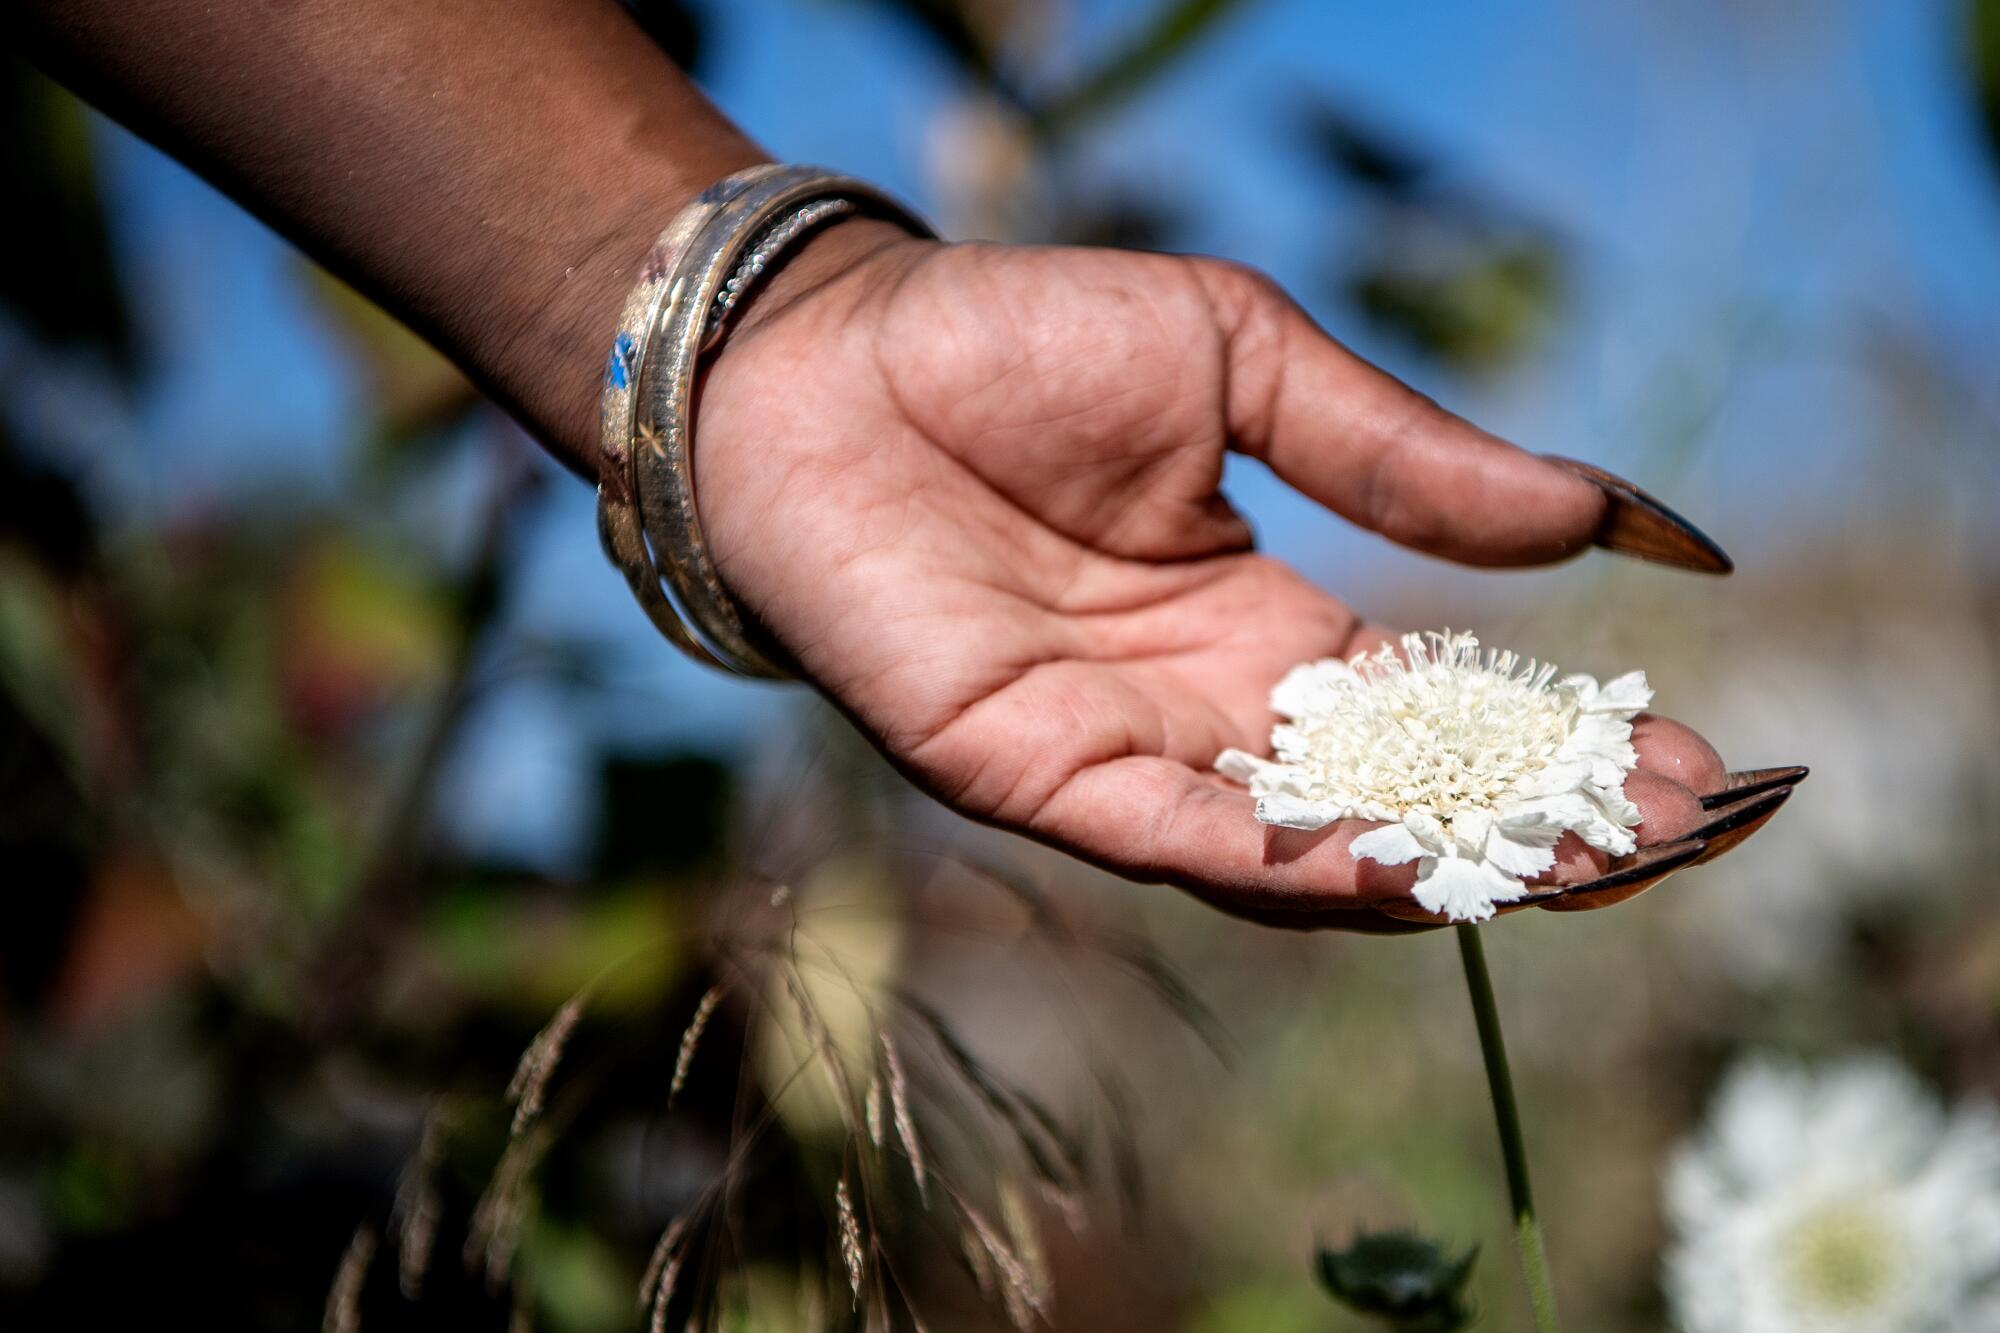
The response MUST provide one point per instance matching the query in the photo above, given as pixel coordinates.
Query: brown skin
(971, 489)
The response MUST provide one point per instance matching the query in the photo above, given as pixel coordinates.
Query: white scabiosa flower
(1845, 1201)
(1478, 761)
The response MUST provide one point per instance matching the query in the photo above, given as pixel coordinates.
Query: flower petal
(1627, 694)
(1462, 890)
(1240, 766)
(1311, 687)
(1520, 849)
(1562, 775)
(1616, 805)
(1608, 836)
(1392, 844)
(1294, 812)
(1566, 809)
(1428, 829)
(1469, 831)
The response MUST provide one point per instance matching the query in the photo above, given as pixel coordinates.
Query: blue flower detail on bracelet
(618, 367)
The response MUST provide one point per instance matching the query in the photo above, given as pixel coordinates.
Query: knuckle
(1256, 320)
(1238, 288)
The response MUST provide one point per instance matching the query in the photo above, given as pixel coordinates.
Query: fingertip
(1572, 508)
(1576, 862)
(1673, 750)
(1667, 810)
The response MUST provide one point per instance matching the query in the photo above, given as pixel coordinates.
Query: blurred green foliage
(982, 37)
(61, 281)
(1983, 46)
(1163, 38)
(1445, 266)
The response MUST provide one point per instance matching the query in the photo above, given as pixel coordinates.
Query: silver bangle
(702, 266)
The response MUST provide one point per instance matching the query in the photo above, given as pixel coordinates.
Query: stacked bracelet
(701, 267)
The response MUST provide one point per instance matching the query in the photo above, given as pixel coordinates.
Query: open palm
(973, 492)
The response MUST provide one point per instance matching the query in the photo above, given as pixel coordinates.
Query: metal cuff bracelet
(702, 266)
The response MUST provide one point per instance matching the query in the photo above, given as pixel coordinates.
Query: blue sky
(1749, 186)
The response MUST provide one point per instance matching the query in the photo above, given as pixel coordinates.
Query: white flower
(1846, 1201)
(1479, 761)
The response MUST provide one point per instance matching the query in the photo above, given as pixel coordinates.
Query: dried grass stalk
(871, 1106)
(418, 1207)
(496, 1221)
(529, 1086)
(1069, 1204)
(692, 1038)
(663, 1266)
(1020, 1295)
(825, 1053)
(979, 1261)
(1055, 1155)
(343, 1298)
(850, 1237)
(663, 1296)
(906, 1125)
(1019, 1219)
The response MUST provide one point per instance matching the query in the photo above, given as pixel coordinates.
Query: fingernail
(1724, 834)
(1746, 807)
(1750, 781)
(1637, 525)
(1632, 876)
(1410, 910)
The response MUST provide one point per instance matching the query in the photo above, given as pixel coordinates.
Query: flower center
(1841, 1259)
(1441, 739)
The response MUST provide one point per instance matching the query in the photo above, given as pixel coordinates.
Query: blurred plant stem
(1507, 1118)
(351, 952)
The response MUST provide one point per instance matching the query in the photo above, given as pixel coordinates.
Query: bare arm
(489, 174)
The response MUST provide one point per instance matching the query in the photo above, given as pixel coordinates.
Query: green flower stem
(1507, 1118)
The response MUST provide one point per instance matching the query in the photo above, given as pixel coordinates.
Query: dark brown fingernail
(1745, 809)
(1637, 525)
(1630, 876)
(1408, 909)
(1725, 834)
(1750, 781)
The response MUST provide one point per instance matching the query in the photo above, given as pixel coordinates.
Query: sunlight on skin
(984, 516)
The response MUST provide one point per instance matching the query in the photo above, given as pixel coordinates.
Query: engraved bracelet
(706, 261)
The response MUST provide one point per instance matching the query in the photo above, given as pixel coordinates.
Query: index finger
(1377, 452)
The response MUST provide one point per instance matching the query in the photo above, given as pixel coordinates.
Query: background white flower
(1843, 1201)
(1478, 760)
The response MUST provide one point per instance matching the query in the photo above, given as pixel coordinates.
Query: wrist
(557, 354)
(549, 334)
(748, 236)
(827, 258)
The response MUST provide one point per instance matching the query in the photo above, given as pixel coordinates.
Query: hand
(973, 491)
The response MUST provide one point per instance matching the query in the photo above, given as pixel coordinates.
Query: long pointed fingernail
(1632, 876)
(1629, 876)
(1637, 525)
(1749, 781)
(1732, 815)
(1738, 822)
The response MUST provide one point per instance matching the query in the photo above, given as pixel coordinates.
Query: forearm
(491, 177)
